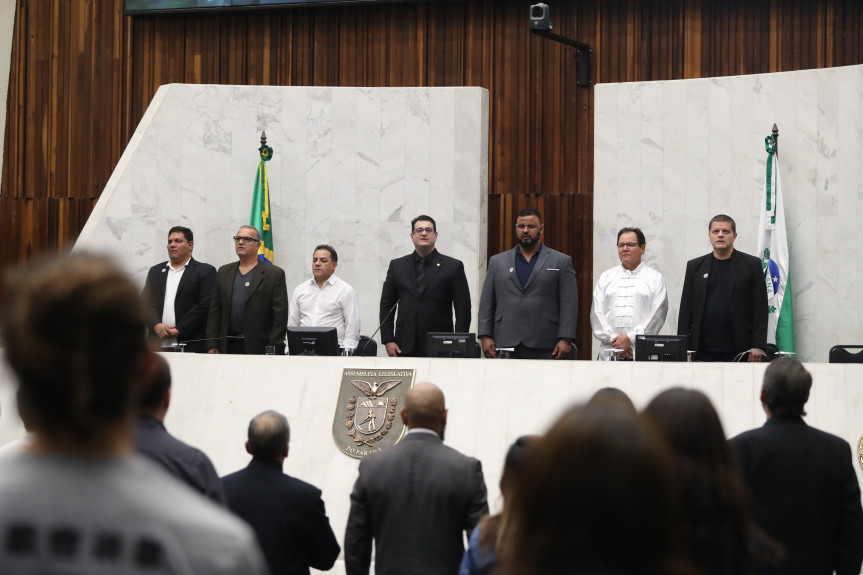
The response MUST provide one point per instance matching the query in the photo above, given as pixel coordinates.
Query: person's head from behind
(155, 395)
(690, 424)
(269, 436)
(785, 389)
(600, 476)
(611, 396)
(425, 408)
(74, 333)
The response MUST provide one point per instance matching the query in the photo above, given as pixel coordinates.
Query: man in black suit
(178, 294)
(287, 514)
(723, 307)
(425, 285)
(152, 440)
(249, 309)
(802, 480)
(416, 500)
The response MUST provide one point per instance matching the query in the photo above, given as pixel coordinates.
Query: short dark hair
(333, 255)
(722, 218)
(156, 385)
(638, 234)
(74, 332)
(530, 212)
(187, 233)
(269, 433)
(423, 218)
(786, 386)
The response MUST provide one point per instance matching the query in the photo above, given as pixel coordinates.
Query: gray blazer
(416, 500)
(545, 311)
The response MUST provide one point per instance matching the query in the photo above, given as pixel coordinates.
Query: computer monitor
(313, 341)
(661, 347)
(444, 344)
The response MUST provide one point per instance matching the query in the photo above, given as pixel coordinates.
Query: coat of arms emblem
(367, 416)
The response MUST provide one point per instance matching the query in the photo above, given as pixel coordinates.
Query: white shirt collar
(170, 267)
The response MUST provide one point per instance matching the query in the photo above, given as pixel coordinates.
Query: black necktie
(421, 275)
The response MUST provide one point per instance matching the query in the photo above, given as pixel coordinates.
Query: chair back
(846, 354)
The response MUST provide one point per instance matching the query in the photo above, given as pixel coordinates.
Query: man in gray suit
(416, 499)
(529, 301)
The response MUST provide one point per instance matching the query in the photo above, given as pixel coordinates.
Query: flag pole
(776, 138)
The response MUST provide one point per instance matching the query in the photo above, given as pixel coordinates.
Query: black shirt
(717, 332)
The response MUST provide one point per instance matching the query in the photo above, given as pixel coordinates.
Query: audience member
(417, 499)
(718, 525)
(183, 461)
(612, 396)
(479, 558)
(287, 514)
(596, 497)
(81, 501)
(802, 480)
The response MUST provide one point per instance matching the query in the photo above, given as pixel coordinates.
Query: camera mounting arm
(540, 25)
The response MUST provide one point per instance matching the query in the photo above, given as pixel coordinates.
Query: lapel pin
(164, 270)
(510, 270)
(705, 275)
(247, 284)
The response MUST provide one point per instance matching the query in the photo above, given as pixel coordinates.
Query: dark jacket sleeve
(568, 304)
(461, 299)
(358, 533)
(279, 327)
(321, 545)
(478, 504)
(214, 318)
(153, 316)
(849, 542)
(197, 315)
(684, 314)
(487, 302)
(759, 306)
(389, 297)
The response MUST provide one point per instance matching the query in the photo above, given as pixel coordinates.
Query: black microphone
(371, 337)
(180, 345)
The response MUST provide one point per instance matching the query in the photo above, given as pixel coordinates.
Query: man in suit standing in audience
(802, 480)
(426, 286)
(178, 294)
(287, 514)
(189, 465)
(249, 311)
(529, 301)
(723, 305)
(416, 500)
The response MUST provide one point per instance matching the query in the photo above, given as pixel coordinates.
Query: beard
(528, 242)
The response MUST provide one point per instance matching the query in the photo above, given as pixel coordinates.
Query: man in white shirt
(327, 301)
(628, 299)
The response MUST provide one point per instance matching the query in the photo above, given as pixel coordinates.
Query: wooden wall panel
(83, 74)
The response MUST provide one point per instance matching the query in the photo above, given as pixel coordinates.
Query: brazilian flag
(260, 216)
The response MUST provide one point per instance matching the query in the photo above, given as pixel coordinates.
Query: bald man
(416, 500)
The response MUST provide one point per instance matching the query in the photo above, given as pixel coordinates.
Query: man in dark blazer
(723, 307)
(529, 301)
(416, 500)
(287, 514)
(249, 311)
(425, 286)
(187, 284)
(152, 440)
(803, 485)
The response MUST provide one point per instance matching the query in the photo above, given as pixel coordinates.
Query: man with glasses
(425, 286)
(628, 299)
(249, 309)
(529, 302)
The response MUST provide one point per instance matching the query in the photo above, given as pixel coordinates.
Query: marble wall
(670, 155)
(351, 167)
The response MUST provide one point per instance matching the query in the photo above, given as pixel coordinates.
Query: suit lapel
(701, 278)
(540, 263)
(434, 268)
(734, 269)
(257, 279)
(511, 271)
(184, 279)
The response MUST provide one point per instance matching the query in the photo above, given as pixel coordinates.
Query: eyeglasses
(629, 245)
(421, 231)
(245, 239)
